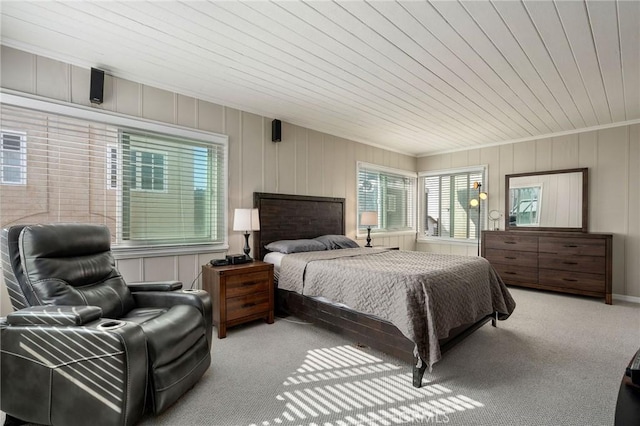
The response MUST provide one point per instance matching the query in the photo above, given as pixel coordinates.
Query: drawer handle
(571, 245)
(510, 242)
(248, 305)
(570, 263)
(510, 257)
(571, 280)
(510, 273)
(248, 283)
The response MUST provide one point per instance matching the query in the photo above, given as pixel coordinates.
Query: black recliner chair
(82, 345)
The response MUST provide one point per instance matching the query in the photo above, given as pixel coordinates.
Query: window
(156, 187)
(390, 193)
(13, 158)
(112, 167)
(525, 205)
(147, 170)
(445, 201)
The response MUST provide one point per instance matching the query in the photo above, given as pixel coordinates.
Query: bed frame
(287, 217)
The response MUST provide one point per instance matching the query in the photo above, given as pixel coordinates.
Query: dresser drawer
(244, 306)
(512, 274)
(511, 242)
(511, 257)
(239, 285)
(573, 280)
(573, 246)
(588, 264)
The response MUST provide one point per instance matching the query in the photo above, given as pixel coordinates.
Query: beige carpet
(557, 361)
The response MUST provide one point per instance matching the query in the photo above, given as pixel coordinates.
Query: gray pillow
(295, 246)
(334, 242)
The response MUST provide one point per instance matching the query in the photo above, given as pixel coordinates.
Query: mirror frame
(585, 201)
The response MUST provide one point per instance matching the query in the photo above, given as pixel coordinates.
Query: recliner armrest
(155, 286)
(55, 315)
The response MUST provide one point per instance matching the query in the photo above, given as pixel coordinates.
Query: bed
(437, 310)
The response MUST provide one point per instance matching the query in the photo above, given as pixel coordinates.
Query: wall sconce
(369, 219)
(476, 202)
(246, 220)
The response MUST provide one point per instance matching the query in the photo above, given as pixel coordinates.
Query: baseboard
(625, 298)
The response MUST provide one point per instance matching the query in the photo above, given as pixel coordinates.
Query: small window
(148, 170)
(390, 193)
(525, 205)
(13, 158)
(447, 208)
(112, 167)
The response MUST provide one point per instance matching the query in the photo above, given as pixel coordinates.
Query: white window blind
(446, 210)
(390, 193)
(150, 188)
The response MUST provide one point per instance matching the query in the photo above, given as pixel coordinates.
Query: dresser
(239, 293)
(568, 262)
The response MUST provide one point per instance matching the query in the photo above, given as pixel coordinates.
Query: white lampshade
(369, 218)
(246, 220)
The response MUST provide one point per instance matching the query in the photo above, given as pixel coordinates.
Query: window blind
(388, 192)
(446, 210)
(151, 189)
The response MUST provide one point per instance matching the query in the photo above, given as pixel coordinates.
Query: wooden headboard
(291, 217)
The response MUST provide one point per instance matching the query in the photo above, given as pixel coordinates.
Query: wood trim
(527, 273)
(290, 217)
(284, 216)
(585, 201)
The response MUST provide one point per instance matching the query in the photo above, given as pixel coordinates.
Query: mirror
(555, 200)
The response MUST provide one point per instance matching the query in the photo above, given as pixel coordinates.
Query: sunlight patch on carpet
(344, 386)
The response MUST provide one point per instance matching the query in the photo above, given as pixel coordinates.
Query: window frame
(138, 166)
(22, 152)
(421, 237)
(361, 233)
(129, 123)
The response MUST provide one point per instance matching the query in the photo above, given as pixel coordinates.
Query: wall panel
(613, 158)
(186, 111)
(53, 79)
(158, 104)
(301, 161)
(286, 160)
(305, 162)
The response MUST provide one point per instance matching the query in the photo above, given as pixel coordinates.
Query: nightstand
(387, 247)
(240, 293)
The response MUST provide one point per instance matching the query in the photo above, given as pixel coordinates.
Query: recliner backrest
(72, 264)
(20, 293)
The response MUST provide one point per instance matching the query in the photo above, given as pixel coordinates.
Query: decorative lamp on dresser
(545, 244)
(240, 293)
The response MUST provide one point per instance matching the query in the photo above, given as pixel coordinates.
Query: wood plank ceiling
(414, 77)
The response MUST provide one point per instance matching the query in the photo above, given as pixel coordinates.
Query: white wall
(306, 162)
(613, 158)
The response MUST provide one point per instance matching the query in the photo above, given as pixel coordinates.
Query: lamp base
(246, 248)
(368, 237)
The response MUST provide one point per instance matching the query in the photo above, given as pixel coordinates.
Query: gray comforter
(424, 295)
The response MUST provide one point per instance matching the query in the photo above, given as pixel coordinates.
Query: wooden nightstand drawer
(248, 305)
(239, 285)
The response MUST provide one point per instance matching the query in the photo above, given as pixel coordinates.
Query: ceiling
(414, 77)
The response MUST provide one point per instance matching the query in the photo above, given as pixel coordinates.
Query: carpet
(557, 360)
